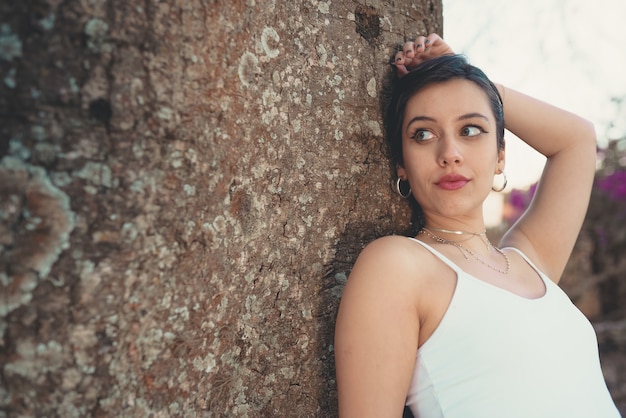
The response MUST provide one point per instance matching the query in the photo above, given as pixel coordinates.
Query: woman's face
(450, 148)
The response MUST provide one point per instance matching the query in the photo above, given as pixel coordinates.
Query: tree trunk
(184, 186)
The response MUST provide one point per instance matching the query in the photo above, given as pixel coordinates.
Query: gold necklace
(466, 251)
(481, 235)
(457, 231)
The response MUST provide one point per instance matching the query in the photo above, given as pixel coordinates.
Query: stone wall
(184, 185)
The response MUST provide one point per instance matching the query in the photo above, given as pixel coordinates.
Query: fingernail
(419, 45)
(427, 41)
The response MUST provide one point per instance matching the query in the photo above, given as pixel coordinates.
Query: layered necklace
(466, 251)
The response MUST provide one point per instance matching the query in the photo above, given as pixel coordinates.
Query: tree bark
(184, 186)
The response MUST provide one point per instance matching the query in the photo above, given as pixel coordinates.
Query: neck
(459, 236)
(467, 252)
(456, 226)
(455, 231)
(471, 221)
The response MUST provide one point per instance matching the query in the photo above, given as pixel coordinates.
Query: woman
(446, 322)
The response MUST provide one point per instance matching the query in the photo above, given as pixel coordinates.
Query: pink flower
(614, 185)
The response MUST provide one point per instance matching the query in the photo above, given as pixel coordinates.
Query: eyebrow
(462, 117)
(473, 115)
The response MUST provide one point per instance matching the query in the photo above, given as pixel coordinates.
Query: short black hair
(436, 70)
(397, 91)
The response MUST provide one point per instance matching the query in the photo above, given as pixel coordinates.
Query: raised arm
(549, 228)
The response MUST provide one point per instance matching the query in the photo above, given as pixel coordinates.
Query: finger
(409, 51)
(432, 39)
(437, 45)
(408, 48)
(418, 49)
(399, 58)
(399, 62)
(401, 71)
(419, 44)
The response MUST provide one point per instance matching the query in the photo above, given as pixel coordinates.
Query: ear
(501, 161)
(401, 172)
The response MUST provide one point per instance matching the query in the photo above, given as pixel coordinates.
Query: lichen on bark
(184, 187)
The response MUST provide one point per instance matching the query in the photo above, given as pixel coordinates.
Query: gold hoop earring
(400, 187)
(503, 186)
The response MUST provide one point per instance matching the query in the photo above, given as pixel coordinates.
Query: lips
(452, 182)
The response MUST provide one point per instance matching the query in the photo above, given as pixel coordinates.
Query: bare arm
(549, 228)
(377, 331)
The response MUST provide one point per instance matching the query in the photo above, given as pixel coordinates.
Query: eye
(472, 130)
(421, 135)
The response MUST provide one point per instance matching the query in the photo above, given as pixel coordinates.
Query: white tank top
(499, 355)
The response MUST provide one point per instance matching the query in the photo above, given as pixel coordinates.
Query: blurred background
(566, 52)
(569, 53)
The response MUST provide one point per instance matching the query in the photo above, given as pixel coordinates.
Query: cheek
(420, 171)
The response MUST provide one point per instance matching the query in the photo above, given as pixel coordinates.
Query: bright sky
(571, 53)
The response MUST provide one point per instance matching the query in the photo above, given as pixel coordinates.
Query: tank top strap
(541, 274)
(440, 256)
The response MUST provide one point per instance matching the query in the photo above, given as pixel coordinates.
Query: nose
(449, 153)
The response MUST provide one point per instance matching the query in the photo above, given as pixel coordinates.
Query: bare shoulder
(392, 259)
(377, 328)
(386, 284)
